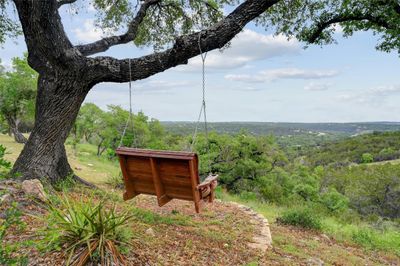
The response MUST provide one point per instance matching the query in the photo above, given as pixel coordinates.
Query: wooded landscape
(331, 191)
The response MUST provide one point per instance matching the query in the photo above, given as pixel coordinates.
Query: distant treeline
(282, 128)
(375, 147)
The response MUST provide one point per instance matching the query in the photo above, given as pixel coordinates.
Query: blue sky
(260, 77)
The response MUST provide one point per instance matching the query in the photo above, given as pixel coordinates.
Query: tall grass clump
(301, 217)
(87, 231)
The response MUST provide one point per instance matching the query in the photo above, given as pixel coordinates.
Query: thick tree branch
(108, 69)
(47, 42)
(105, 43)
(65, 2)
(320, 27)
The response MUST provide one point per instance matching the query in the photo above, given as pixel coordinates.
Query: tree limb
(321, 26)
(105, 43)
(65, 2)
(109, 69)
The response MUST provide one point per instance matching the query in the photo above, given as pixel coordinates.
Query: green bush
(307, 192)
(87, 231)
(367, 158)
(334, 201)
(4, 164)
(364, 237)
(302, 217)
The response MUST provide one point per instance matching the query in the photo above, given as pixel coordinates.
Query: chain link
(130, 118)
(203, 105)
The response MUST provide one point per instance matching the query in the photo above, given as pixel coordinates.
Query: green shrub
(335, 201)
(307, 192)
(367, 158)
(4, 164)
(87, 231)
(303, 217)
(364, 237)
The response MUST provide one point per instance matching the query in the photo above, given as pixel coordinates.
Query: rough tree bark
(13, 129)
(66, 74)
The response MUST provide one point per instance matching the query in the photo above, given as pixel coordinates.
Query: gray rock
(34, 188)
(150, 232)
(6, 198)
(315, 262)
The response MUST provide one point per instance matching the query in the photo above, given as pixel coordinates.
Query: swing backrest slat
(165, 174)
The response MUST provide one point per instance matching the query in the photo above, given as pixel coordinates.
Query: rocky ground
(225, 233)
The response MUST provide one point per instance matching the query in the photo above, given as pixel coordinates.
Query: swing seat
(165, 174)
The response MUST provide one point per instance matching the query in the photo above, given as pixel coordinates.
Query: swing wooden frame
(165, 174)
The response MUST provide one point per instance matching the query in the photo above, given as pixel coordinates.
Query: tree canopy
(17, 94)
(159, 23)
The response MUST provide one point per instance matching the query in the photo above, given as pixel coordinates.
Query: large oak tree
(67, 72)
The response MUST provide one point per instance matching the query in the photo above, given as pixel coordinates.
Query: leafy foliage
(12, 220)
(314, 21)
(378, 146)
(303, 217)
(87, 231)
(4, 164)
(9, 28)
(164, 21)
(17, 92)
(105, 129)
(371, 190)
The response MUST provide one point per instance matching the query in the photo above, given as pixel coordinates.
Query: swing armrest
(206, 188)
(208, 182)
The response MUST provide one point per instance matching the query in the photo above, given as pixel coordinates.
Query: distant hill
(381, 146)
(284, 129)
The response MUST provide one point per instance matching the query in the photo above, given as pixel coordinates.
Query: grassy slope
(84, 161)
(291, 245)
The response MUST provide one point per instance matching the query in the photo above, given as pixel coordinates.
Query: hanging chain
(203, 105)
(130, 118)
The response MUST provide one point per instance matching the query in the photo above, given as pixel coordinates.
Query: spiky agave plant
(87, 231)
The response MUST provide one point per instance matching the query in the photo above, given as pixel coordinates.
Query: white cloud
(373, 96)
(248, 46)
(317, 86)
(88, 32)
(282, 73)
(385, 90)
(159, 86)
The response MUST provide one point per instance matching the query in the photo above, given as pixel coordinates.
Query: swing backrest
(166, 174)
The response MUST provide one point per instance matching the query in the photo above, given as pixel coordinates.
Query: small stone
(226, 245)
(315, 262)
(90, 164)
(150, 232)
(323, 236)
(34, 188)
(6, 198)
(78, 168)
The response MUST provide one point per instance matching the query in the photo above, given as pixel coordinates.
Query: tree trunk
(57, 105)
(13, 128)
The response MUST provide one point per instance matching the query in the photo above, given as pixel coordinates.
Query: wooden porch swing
(166, 174)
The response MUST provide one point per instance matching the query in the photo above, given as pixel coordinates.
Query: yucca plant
(87, 231)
